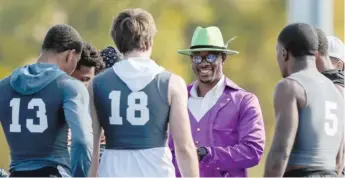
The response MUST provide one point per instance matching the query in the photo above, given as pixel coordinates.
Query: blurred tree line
(257, 23)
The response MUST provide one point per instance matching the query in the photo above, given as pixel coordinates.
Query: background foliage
(257, 23)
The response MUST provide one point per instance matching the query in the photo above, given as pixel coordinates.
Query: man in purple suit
(227, 124)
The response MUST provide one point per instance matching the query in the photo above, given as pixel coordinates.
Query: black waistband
(206, 46)
(307, 172)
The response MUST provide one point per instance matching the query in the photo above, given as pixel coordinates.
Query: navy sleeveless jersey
(34, 125)
(132, 120)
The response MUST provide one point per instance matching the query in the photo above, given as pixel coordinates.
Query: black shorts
(308, 172)
(43, 172)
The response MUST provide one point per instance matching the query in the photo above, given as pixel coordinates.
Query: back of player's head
(299, 39)
(323, 42)
(61, 38)
(133, 29)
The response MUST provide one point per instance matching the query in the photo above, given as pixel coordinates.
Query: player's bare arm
(286, 115)
(185, 150)
(96, 134)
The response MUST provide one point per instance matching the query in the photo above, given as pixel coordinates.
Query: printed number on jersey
(40, 114)
(141, 107)
(331, 119)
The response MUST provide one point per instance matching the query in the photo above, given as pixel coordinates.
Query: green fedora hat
(208, 39)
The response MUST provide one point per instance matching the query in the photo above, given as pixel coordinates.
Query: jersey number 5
(41, 114)
(141, 106)
(331, 123)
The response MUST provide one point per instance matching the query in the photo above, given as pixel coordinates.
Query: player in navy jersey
(39, 102)
(135, 102)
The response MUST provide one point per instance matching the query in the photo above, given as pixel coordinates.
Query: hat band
(206, 46)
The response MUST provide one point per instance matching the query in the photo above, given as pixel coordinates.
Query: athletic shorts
(43, 172)
(307, 172)
(102, 148)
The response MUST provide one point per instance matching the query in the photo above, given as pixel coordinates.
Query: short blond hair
(133, 29)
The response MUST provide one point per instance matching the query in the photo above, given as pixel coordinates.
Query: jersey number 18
(116, 119)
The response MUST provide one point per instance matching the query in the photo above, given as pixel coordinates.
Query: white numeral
(141, 106)
(40, 114)
(331, 123)
(15, 104)
(115, 118)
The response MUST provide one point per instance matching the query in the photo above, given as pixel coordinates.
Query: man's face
(281, 55)
(207, 66)
(84, 74)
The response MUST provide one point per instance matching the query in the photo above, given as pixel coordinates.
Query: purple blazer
(233, 133)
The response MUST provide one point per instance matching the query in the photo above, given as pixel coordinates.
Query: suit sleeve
(76, 109)
(174, 161)
(250, 147)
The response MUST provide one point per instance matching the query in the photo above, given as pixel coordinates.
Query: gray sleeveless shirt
(321, 122)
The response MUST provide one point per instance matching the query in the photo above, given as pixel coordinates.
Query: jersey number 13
(40, 114)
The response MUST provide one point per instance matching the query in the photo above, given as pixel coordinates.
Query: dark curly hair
(90, 57)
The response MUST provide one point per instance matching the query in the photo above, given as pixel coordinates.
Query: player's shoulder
(5, 84)
(71, 86)
(105, 73)
(5, 81)
(289, 87)
(287, 84)
(103, 76)
(176, 81)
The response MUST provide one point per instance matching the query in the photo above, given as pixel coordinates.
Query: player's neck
(138, 54)
(46, 57)
(325, 64)
(304, 64)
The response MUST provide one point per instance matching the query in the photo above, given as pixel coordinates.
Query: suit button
(217, 168)
(198, 129)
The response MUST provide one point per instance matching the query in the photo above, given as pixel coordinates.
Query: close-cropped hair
(62, 37)
(323, 42)
(299, 39)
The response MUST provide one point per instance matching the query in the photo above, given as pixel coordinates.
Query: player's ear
(285, 54)
(339, 65)
(70, 54)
